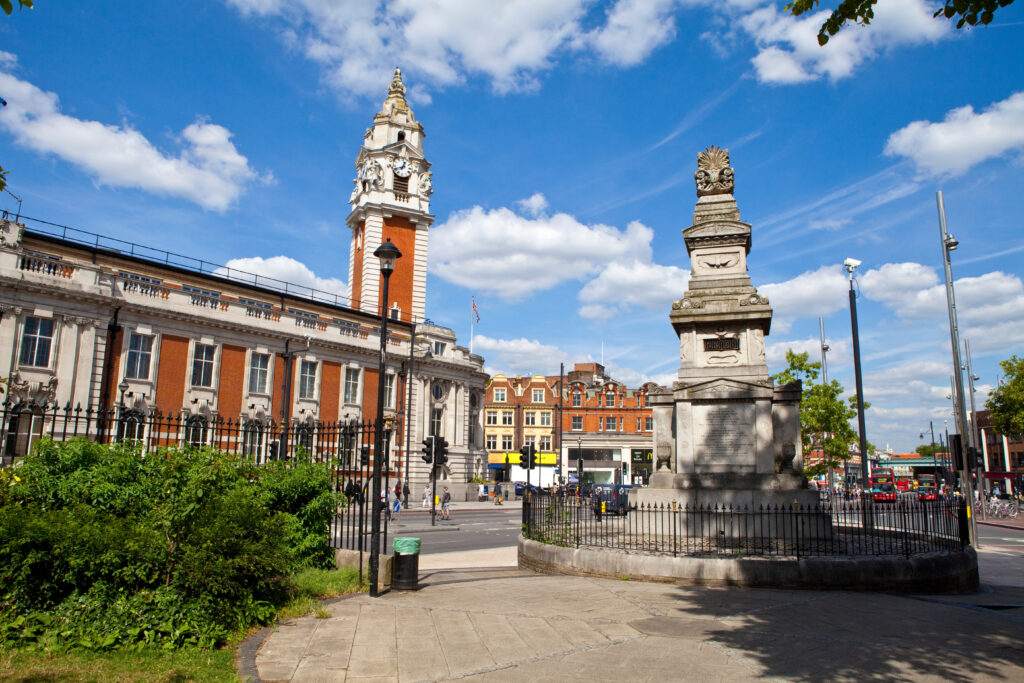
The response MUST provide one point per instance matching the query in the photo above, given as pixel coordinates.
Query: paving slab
(506, 624)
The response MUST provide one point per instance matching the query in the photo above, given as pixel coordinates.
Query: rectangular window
(258, 365)
(545, 443)
(609, 400)
(609, 424)
(538, 395)
(351, 385)
(36, 339)
(622, 397)
(492, 442)
(435, 421)
(492, 417)
(439, 350)
(577, 399)
(506, 417)
(389, 391)
(307, 379)
(577, 423)
(506, 442)
(530, 441)
(638, 425)
(499, 395)
(649, 423)
(531, 419)
(140, 352)
(641, 401)
(621, 427)
(202, 365)
(545, 419)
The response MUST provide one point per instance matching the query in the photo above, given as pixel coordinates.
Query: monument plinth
(724, 433)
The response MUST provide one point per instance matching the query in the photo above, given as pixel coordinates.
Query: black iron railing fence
(345, 447)
(839, 529)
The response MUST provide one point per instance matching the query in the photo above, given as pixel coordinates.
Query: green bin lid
(406, 545)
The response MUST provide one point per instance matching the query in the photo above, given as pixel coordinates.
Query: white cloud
(624, 285)
(908, 288)
(512, 256)
(788, 46)
(534, 205)
(830, 224)
(282, 269)
(810, 294)
(439, 41)
(963, 139)
(634, 29)
(518, 356)
(208, 170)
(775, 352)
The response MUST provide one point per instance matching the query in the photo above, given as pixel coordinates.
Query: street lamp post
(851, 265)
(122, 387)
(387, 253)
(949, 243)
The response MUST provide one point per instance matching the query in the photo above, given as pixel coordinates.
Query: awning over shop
(498, 459)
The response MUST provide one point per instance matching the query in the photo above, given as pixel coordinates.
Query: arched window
(401, 135)
(252, 439)
(195, 431)
(304, 439)
(23, 428)
(130, 427)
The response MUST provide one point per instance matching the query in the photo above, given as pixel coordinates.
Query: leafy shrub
(101, 547)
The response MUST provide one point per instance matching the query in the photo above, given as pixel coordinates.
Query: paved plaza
(499, 623)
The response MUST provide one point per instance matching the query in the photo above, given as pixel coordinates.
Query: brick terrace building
(610, 425)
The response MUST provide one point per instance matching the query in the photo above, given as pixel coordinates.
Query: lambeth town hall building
(114, 340)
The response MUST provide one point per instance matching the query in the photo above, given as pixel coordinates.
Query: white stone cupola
(391, 200)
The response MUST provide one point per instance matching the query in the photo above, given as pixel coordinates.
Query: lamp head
(388, 253)
(951, 242)
(123, 386)
(851, 265)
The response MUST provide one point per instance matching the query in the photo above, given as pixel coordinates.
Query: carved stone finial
(395, 101)
(714, 175)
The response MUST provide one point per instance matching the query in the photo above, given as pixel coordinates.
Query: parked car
(614, 496)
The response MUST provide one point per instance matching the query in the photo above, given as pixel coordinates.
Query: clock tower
(391, 200)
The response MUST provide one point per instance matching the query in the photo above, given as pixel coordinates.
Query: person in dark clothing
(497, 493)
(405, 494)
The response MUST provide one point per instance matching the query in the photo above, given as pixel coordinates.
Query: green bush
(101, 547)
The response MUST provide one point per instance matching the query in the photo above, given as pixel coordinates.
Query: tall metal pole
(979, 470)
(865, 468)
(948, 243)
(824, 381)
(408, 409)
(387, 253)
(935, 470)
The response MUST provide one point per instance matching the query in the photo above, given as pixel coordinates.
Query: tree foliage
(1006, 403)
(824, 415)
(967, 13)
(8, 7)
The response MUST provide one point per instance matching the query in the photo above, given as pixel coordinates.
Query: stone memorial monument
(724, 433)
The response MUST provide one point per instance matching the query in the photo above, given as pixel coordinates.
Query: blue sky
(563, 136)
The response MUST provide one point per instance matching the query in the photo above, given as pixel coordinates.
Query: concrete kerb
(932, 573)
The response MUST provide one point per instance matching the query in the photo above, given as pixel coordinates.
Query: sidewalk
(506, 624)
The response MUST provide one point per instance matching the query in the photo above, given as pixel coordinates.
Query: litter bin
(406, 573)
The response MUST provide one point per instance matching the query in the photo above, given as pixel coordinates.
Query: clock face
(402, 168)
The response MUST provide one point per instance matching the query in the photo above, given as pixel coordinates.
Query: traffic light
(972, 458)
(428, 450)
(956, 448)
(526, 456)
(364, 456)
(442, 451)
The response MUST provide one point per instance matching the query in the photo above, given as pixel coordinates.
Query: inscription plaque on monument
(725, 434)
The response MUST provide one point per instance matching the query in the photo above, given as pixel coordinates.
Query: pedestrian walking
(446, 501)
(405, 494)
(426, 496)
(497, 493)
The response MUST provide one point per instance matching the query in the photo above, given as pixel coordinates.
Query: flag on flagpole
(475, 312)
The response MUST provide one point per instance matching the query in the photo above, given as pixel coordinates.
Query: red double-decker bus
(883, 485)
(926, 487)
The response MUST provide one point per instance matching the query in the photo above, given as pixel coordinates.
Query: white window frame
(203, 363)
(506, 442)
(545, 419)
(507, 419)
(492, 442)
(492, 418)
(253, 355)
(499, 395)
(139, 355)
(530, 419)
(51, 342)
(538, 395)
(577, 399)
(351, 386)
(545, 443)
(577, 423)
(306, 381)
(389, 389)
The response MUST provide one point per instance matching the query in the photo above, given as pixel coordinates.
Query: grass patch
(130, 667)
(309, 587)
